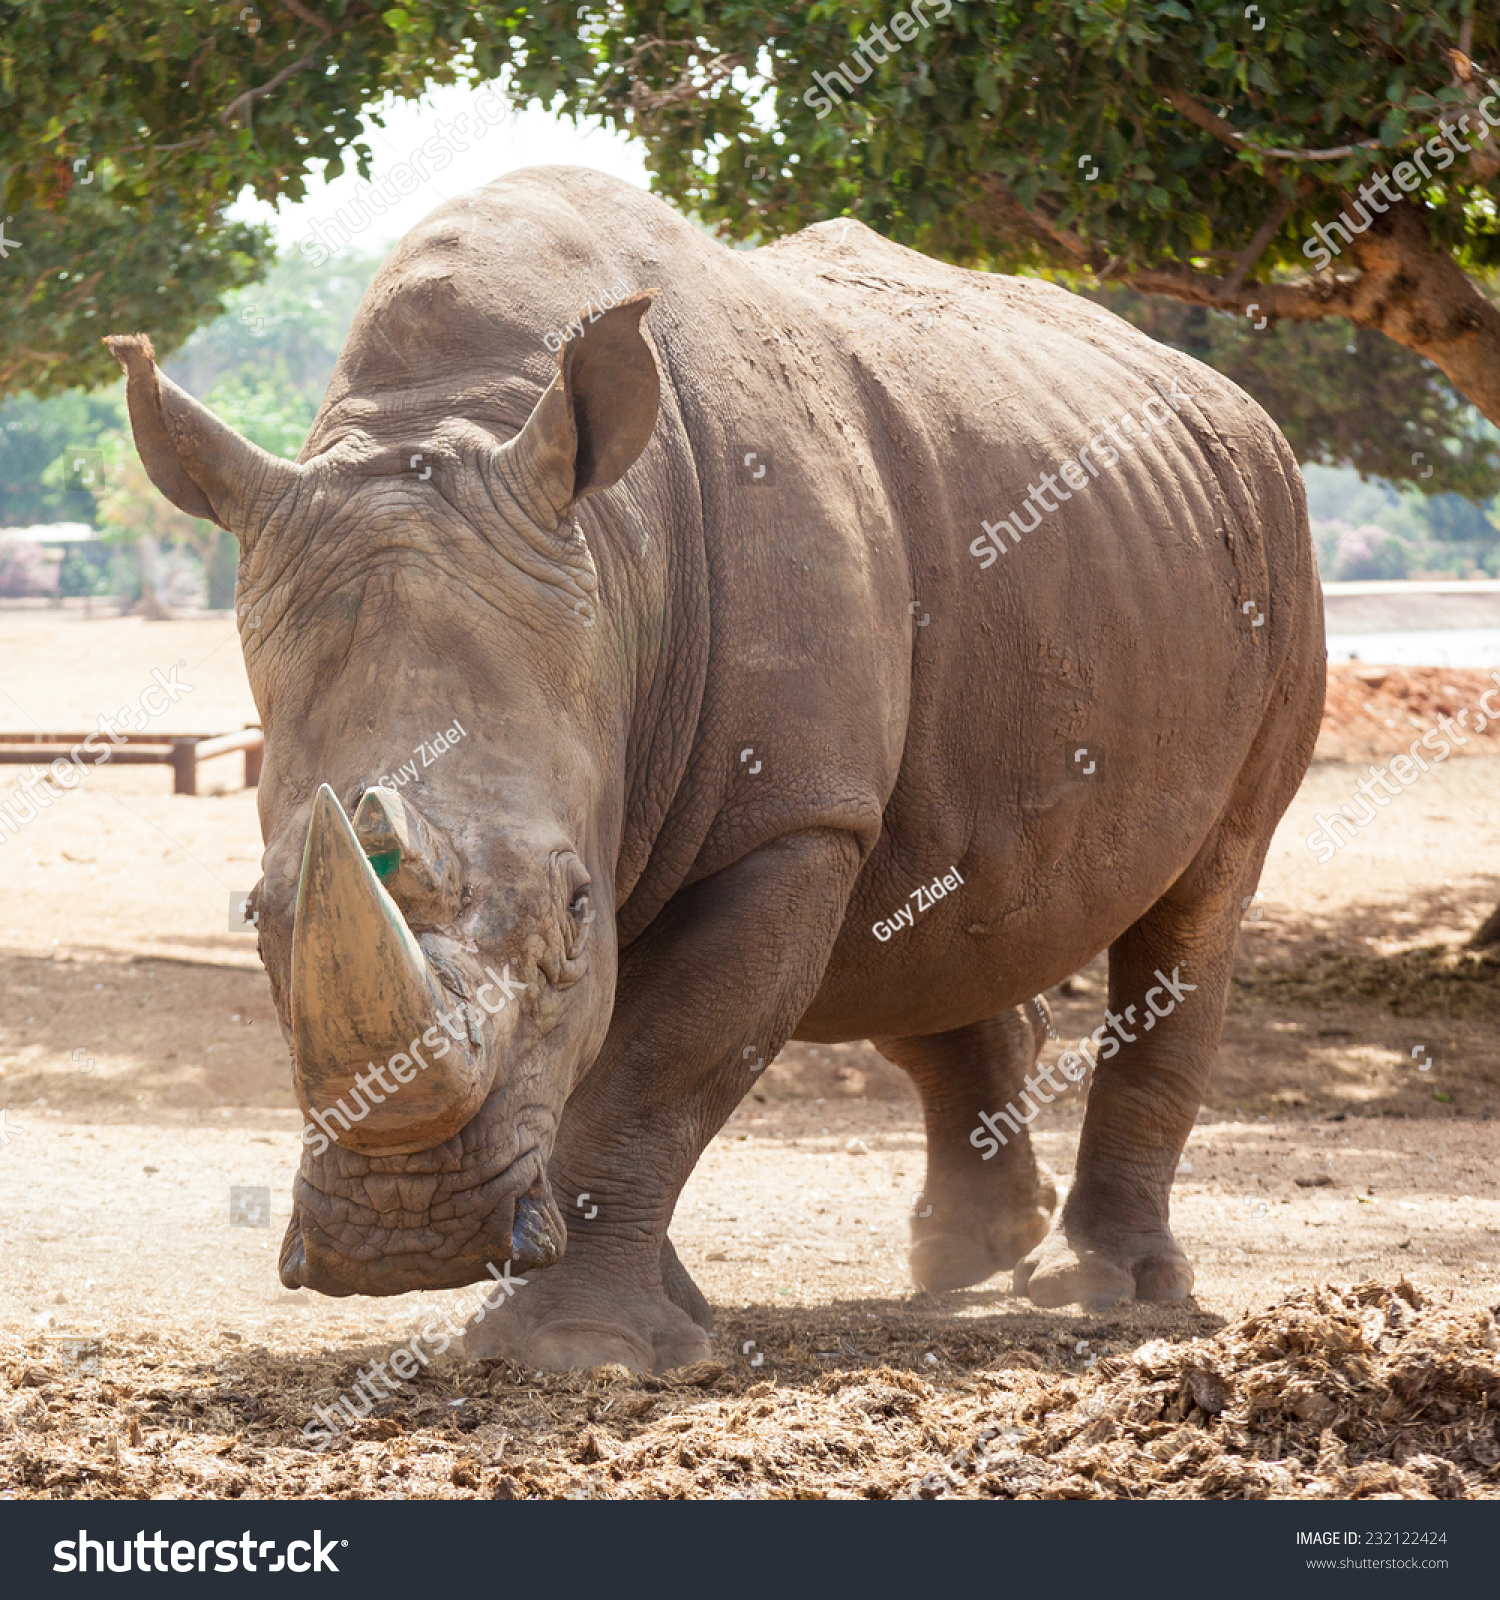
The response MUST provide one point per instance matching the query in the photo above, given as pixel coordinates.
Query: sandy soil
(144, 1078)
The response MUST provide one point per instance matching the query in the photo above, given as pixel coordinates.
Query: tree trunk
(149, 553)
(1408, 290)
(1489, 932)
(1406, 287)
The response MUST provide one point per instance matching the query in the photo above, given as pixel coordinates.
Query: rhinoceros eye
(580, 914)
(573, 884)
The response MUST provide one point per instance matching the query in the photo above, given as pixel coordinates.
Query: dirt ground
(147, 1347)
(1375, 712)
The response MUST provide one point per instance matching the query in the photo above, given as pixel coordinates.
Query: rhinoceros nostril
(538, 1234)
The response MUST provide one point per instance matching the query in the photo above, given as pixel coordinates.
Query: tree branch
(1181, 101)
(1075, 253)
(1263, 236)
(297, 9)
(80, 291)
(167, 149)
(357, 15)
(715, 69)
(1405, 288)
(1308, 300)
(250, 96)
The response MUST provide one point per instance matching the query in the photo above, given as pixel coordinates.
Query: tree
(36, 436)
(128, 126)
(132, 511)
(280, 337)
(1183, 151)
(91, 265)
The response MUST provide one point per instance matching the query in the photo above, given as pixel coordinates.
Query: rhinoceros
(755, 624)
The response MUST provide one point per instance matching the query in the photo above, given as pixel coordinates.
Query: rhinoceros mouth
(341, 1243)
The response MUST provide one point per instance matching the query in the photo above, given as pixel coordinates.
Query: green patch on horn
(385, 864)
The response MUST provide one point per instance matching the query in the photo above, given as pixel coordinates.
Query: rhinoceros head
(439, 798)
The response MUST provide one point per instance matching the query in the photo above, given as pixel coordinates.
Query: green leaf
(1393, 129)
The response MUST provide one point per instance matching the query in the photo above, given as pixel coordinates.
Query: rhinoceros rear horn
(199, 463)
(363, 995)
(588, 429)
(414, 860)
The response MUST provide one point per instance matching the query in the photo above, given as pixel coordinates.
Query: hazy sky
(527, 139)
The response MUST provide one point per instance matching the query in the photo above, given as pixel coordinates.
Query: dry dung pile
(1329, 1394)
(1326, 1395)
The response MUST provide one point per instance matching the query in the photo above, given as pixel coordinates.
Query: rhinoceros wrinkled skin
(699, 589)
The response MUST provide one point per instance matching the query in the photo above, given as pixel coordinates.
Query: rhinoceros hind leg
(974, 1217)
(1059, 1275)
(1114, 1240)
(682, 1291)
(1168, 976)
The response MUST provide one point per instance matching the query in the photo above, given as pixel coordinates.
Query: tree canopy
(1187, 151)
(128, 126)
(1190, 151)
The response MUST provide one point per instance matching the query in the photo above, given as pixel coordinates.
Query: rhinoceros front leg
(1168, 975)
(704, 997)
(682, 1291)
(975, 1216)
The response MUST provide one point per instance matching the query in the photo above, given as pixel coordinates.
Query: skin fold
(710, 741)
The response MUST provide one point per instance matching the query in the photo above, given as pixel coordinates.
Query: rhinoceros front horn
(363, 994)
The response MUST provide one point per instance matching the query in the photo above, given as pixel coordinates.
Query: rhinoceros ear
(199, 463)
(597, 417)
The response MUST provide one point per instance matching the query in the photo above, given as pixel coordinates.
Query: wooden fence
(182, 752)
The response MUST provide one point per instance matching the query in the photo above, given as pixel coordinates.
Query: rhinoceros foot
(564, 1323)
(1144, 1267)
(966, 1240)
